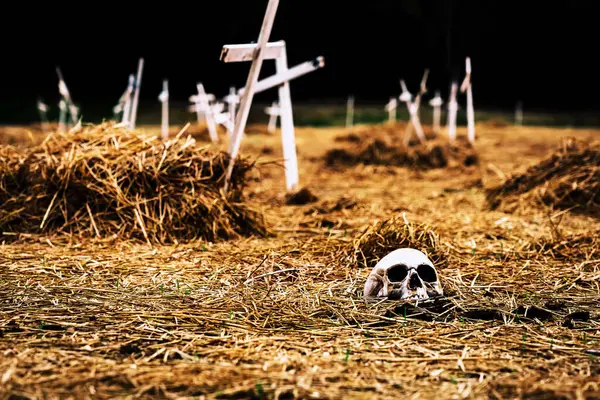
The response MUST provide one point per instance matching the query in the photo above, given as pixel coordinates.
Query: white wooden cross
(436, 103)
(221, 117)
(519, 113)
(64, 91)
(467, 87)
(452, 111)
(232, 100)
(258, 54)
(413, 109)
(202, 105)
(263, 50)
(391, 107)
(43, 109)
(163, 97)
(273, 112)
(136, 96)
(350, 112)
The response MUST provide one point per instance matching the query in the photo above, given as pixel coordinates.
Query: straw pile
(385, 149)
(568, 179)
(383, 237)
(104, 180)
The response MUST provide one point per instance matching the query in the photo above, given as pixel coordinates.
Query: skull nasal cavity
(427, 273)
(397, 273)
(414, 282)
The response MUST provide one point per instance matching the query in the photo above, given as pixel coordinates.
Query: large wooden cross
(257, 56)
(258, 52)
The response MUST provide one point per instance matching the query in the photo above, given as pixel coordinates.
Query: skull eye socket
(397, 273)
(427, 273)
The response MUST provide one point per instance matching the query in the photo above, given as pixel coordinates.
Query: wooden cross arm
(245, 52)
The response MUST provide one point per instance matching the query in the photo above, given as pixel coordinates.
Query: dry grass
(283, 317)
(568, 179)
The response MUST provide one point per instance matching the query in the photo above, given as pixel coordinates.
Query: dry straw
(106, 180)
(568, 179)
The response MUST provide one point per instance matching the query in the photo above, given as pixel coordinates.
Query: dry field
(283, 316)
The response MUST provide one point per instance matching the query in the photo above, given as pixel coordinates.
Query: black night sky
(543, 53)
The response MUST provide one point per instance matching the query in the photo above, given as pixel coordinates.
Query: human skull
(404, 274)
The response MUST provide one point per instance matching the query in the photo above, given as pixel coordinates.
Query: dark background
(540, 52)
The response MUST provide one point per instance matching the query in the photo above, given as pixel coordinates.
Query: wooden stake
(43, 110)
(62, 119)
(452, 111)
(136, 97)
(164, 99)
(350, 112)
(436, 103)
(466, 86)
(288, 136)
(519, 113)
(391, 107)
(127, 100)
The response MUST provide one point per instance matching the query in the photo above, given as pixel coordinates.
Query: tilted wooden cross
(257, 56)
(258, 52)
(413, 109)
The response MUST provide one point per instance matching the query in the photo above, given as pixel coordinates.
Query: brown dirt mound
(382, 237)
(568, 179)
(301, 197)
(103, 181)
(382, 148)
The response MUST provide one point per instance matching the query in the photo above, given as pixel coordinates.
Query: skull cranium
(404, 274)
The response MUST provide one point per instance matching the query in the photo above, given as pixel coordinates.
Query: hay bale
(382, 237)
(568, 179)
(105, 180)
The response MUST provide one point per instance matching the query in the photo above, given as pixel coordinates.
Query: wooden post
(62, 119)
(43, 110)
(136, 96)
(466, 86)
(127, 100)
(519, 113)
(288, 137)
(391, 107)
(452, 110)
(436, 103)
(164, 99)
(232, 100)
(350, 112)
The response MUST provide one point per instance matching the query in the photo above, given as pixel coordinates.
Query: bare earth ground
(283, 317)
